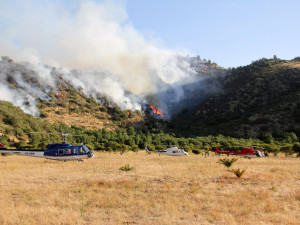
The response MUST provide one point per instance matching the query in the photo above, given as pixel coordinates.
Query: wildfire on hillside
(59, 96)
(156, 111)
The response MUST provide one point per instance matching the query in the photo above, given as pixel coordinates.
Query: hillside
(253, 100)
(257, 100)
(75, 109)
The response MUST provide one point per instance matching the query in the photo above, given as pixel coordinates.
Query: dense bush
(287, 149)
(296, 148)
(196, 151)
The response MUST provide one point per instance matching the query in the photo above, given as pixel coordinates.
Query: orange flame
(156, 111)
(59, 96)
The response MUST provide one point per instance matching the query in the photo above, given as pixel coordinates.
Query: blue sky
(229, 32)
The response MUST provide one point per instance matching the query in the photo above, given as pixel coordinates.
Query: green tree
(296, 148)
(4, 141)
(268, 138)
(287, 149)
(151, 147)
(290, 137)
(130, 131)
(135, 149)
(91, 147)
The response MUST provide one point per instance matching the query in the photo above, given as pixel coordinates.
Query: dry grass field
(159, 190)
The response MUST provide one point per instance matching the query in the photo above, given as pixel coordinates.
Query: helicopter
(173, 151)
(246, 152)
(61, 152)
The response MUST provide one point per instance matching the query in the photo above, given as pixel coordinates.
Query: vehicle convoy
(245, 152)
(62, 151)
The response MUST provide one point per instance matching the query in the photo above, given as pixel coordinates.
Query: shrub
(43, 114)
(196, 151)
(126, 167)
(100, 146)
(267, 138)
(91, 147)
(59, 112)
(103, 109)
(290, 137)
(296, 148)
(238, 172)
(4, 141)
(287, 149)
(135, 148)
(227, 162)
(151, 147)
(270, 148)
(11, 120)
(187, 149)
(20, 145)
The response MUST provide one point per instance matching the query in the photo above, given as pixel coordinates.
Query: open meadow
(162, 189)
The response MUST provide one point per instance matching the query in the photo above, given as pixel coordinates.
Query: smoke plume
(93, 46)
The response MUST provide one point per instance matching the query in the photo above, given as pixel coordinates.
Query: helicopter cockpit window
(81, 150)
(68, 151)
(60, 151)
(85, 149)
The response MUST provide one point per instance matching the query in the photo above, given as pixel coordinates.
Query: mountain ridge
(263, 97)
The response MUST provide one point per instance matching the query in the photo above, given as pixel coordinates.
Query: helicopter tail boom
(33, 153)
(217, 150)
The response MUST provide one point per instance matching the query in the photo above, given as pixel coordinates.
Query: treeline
(27, 132)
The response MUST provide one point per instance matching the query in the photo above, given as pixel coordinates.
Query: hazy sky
(229, 32)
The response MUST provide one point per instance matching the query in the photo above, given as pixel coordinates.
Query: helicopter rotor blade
(38, 133)
(63, 135)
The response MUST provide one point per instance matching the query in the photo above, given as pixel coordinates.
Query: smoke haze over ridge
(97, 39)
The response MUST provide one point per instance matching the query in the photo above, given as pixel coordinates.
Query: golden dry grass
(159, 190)
(85, 119)
(97, 120)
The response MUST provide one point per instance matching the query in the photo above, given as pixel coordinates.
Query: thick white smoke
(16, 84)
(96, 39)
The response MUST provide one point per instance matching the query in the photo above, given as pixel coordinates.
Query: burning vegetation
(152, 111)
(156, 111)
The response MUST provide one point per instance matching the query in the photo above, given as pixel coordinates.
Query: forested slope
(263, 97)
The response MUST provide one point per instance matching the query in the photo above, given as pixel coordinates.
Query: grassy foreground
(159, 190)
